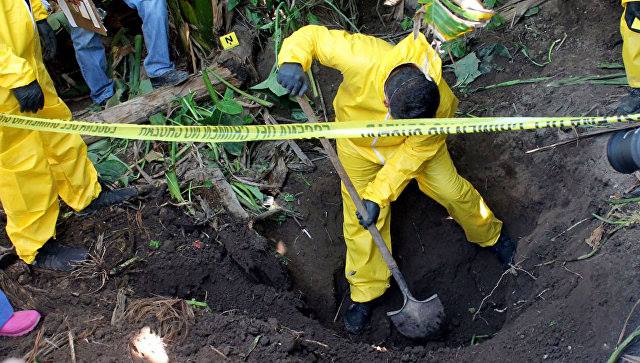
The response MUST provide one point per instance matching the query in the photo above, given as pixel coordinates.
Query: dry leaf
(596, 237)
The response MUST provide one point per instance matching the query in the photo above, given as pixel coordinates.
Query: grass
(613, 358)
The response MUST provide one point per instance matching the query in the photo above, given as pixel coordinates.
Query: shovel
(415, 319)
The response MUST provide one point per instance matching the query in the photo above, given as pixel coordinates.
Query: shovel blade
(418, 319)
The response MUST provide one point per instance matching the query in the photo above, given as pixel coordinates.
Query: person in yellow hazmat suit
(382, 81)
(630, 30)
(38, 167)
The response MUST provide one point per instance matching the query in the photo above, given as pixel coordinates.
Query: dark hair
(411, 94)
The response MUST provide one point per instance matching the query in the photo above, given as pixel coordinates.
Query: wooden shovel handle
(357, 201)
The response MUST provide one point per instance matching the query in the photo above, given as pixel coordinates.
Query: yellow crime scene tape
(330, 130)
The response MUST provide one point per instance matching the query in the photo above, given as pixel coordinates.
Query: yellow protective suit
(35, 167)
(381, 168)
(631, 49)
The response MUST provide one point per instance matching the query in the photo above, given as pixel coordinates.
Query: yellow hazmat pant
(35, 167)
(365, 269)
(631, 52)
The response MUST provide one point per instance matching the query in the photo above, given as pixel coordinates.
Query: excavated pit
(430, 248)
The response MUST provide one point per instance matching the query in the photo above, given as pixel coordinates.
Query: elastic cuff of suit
(96, 193)
(372, 197)
(29, 259)
(491, 242)
(30, 77)
(366, 294)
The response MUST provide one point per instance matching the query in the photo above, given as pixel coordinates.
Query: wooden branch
(584, 136)
(139, 109)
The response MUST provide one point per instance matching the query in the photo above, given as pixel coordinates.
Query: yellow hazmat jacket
(631, 49)
(20, 57)
(365, 63)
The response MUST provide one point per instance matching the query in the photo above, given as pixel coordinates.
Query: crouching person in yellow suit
(630, 30)
(382, 81)
(38, 167)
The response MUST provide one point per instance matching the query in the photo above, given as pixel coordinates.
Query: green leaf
(231, 4)
(229, 106)
(188, 12)
(467, 70)
(234, 148)
(490, 3)
(532, 11)
(406, 23)
(174, 186)
(154, 244)
(299, 115)
(458, 47)
(254, 17)
(145, 87)
(158, 119)
(204, 12)
(110, 169)
(496, 22)
(58, 21)
(212, 91)
(312, 18)
(271, 84)
(228, 94)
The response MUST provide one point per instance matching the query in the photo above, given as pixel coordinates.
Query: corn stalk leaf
(174, 186)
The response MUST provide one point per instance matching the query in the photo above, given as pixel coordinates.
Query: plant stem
(616, 353)
(355, 28)
(253, 98)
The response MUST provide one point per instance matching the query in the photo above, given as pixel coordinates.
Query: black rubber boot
(171, 78)
(110, 197)
(630, 103)
(505, 249)
(357, 317)
(53, 256)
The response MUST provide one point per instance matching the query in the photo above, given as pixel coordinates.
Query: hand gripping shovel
(416, 319)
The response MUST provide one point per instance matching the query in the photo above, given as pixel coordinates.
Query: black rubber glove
(291, 76)
(30, 97)
(373, 211)
(48, 40)
(632, 13)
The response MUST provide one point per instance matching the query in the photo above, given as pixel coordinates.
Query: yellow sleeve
(337, 49)
(14, 71)
(410, 156)
(38, 10)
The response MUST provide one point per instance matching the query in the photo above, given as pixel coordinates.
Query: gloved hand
(291, 76)
(48, 40)
(373, 211)
(30, 97)
(633, 13)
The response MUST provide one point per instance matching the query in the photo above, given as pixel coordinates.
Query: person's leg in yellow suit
(630, 31)
(36, 168)
(365, 269)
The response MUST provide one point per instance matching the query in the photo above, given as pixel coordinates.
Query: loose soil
(264, 306)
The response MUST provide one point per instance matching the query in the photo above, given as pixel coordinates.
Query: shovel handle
(357, 201)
